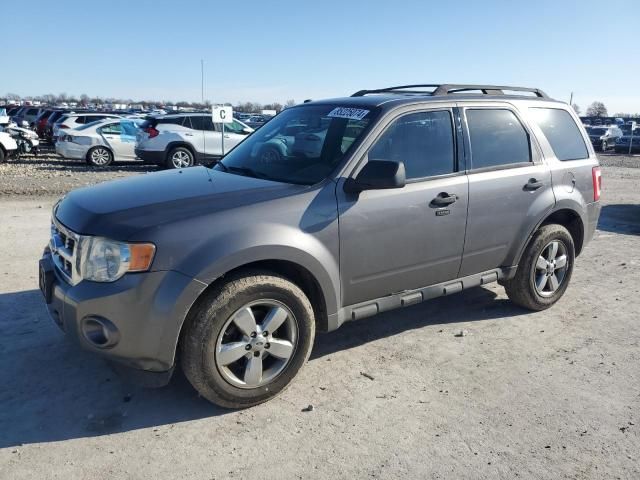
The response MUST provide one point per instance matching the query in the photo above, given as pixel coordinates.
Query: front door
(406, 238)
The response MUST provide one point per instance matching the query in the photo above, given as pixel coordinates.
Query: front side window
(233, 127)
(301, 145)
(423, 141)
(562, 133)
(497, 138)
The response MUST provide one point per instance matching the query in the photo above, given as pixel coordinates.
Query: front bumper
(140, 316)
(72, 150)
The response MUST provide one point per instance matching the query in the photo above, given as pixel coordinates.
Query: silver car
(101, 142)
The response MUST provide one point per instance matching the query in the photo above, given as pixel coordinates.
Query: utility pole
(202, 80)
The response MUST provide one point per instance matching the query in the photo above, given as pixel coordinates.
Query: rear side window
(423, 141)
(497, 138)
(562, 133)
(202, 122)
(82, 120)
(171, 121)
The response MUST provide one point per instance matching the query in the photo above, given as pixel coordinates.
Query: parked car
(101, 142)
(8, 146)
(28, 115)
(182, 140)
(623, 143)
(256, 121)
(231, 270)
(70, 121)
(604, 138)
(41, 122)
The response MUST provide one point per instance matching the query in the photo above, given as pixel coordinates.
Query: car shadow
(620, 218)
(54, 391)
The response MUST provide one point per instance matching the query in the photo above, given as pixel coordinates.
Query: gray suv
(335, 210)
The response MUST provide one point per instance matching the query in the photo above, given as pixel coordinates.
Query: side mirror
(247, 130)
(377, 175)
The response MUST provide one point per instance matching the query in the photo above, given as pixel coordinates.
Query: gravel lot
(548, 395)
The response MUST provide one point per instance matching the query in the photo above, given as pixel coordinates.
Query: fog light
(100, 332)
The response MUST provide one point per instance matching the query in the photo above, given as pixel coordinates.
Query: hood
(119, 208)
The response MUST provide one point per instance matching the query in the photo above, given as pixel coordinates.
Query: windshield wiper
(246, 171)
(224, 167)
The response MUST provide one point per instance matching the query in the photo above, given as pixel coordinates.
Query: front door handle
(533, 184)
(443, 199)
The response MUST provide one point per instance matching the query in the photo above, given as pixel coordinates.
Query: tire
(179, 157)
(99, 157)
(3, 157)
(523, 289)
(604, 146)
(213, 322)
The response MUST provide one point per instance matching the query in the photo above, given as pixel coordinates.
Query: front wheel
(604, 146)
(247, 339)
(544, 270)
(99, 157)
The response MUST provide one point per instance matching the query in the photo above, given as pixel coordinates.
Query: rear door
(113, 136)
(510, 187)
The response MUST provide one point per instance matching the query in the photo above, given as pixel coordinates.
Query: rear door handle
(533, 184)
(443, 199)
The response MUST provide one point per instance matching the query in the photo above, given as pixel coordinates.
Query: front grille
(64, 251)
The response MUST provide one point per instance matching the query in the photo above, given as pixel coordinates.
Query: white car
(102, 142)
(8, 146)
(182, 140)
(70, 121)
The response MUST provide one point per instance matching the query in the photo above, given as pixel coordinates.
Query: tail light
(152, 132)
(63, 126)
(597, 183)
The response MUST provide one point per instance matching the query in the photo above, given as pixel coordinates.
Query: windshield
(301, 145)
(597, 131)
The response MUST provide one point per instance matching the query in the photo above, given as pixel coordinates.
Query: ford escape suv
(333, 211)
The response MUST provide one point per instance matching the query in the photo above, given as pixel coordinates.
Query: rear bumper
(593, 214)
(72, 150)
(155, 157)
(133, 322)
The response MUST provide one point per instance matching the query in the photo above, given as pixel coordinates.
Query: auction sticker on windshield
(350, 113)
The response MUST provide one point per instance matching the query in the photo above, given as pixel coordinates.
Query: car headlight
(104, 260)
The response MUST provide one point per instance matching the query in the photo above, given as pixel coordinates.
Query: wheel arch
(106, 147)
(292, 271)
(178, 143)
(568, 218)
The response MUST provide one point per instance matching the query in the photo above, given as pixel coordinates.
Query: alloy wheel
(100, 156)
(256, 343)
(550, 268)
(180, 159)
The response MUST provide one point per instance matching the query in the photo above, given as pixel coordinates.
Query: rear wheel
(605, 146)
(3, 157)
(99, 157)
(545, 269)
(245, 342)
(180, 157)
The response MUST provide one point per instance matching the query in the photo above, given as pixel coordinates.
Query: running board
(406, 298)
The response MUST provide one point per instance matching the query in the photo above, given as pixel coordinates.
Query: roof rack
(449, 88)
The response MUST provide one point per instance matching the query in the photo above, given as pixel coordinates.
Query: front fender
(213, 259)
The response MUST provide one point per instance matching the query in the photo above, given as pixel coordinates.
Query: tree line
(85, 99)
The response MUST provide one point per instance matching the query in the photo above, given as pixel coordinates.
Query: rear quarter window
(561, 131)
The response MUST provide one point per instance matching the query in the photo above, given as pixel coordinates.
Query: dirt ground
(548, 395)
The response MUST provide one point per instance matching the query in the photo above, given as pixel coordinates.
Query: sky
(272, 50)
